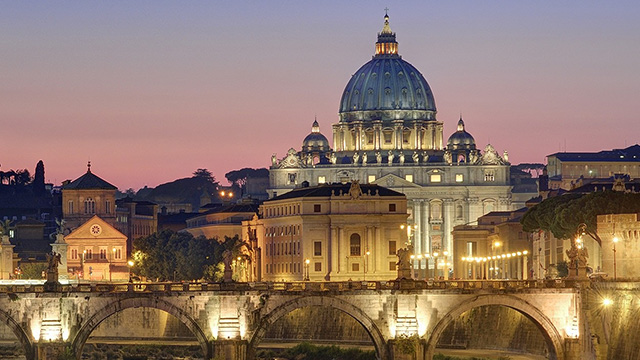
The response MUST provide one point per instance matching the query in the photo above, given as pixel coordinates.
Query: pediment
(88, 231)
(394, 181)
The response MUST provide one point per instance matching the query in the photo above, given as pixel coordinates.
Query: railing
(463, 286)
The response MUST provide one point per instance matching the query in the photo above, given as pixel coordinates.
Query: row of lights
(496, 257)
(428, 256)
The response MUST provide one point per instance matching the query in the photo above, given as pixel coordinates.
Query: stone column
(230, 349)
(6, 258)
(525, 267)
(334, 248)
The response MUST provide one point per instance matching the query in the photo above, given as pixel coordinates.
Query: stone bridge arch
(326, 301)
(135, 302)
(554, 340)
(20, 333)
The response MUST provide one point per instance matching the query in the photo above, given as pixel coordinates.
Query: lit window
(371, 178)
(409, 177)
(436, 178)
(70, 206)
(322, 180)
(459, 178)
(489, 176)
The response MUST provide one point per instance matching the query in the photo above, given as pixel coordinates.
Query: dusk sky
(149, 91)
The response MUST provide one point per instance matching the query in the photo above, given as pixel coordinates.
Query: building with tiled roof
(87, 196)
(331, 232)
(567, 167)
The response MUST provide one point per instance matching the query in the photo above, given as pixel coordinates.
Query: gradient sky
(149, 91)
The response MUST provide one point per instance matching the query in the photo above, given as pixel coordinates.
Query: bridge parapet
(302, 286)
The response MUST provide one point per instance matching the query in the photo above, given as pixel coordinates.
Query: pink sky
(151, 91)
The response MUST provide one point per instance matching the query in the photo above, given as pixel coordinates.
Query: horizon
(150, 92)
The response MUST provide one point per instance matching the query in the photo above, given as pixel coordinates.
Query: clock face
(95, 230)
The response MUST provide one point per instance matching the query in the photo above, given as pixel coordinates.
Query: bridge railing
(297, 286)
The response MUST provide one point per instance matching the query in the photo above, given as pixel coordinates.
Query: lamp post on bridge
(615, 269)
(306, 269)
(366, 262)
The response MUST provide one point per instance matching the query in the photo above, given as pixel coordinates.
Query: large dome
(387, 82)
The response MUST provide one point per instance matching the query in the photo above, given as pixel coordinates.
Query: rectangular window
(392, 247)
(89, 254)
(489, 176)
(392, 207)
(392, 266)
(317, 248)
(118, 254)
(355, 267)
(322, 179)
(408, 177)
(107, 207)
(74, 254)
(317, 266)
(103, 253)
(435, 178)
(317, 208)
(70, 206)
(371, 178)
(459, 178)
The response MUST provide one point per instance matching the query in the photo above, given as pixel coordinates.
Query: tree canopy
(170, 255)
(562, 214)
(239, 177)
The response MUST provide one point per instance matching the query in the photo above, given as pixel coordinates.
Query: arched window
(354, 241)
(89, 206)
(459, 212)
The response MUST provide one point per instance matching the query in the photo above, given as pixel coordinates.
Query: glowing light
(607, 302)
(615, 239)
(497, 244)
(307, 261)
(525, 252)
(519, 253)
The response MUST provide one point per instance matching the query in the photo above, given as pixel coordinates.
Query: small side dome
(461, 139)
(315, 142)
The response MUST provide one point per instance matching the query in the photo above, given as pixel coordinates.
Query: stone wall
(319, 323)
(142, 323)
(494, 327)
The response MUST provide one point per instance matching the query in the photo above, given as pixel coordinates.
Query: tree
(563, 214)
(205, 174)
(38, 179)
(238, 178)
(170, 255)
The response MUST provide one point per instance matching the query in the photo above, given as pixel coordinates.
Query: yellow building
(87, 196)
(624, 262)
(331, 232)
(221, 221)
(496, 248)
(97, 251)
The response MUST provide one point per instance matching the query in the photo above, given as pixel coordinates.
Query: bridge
(230, 320)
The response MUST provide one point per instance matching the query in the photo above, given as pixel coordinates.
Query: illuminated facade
(97, 251)
(388, 134)
(331, 232)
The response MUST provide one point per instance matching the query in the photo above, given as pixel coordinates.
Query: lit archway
(324, 301)
(22, 336)
(151, 302)
(554, 340)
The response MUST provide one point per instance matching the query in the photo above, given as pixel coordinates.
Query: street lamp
(366, 262)
(306, 269)
(130, 263)
(615, 274)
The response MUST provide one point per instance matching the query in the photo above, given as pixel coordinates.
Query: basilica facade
(387, 134)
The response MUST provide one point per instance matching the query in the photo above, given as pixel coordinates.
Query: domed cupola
(387, 104)
(461, 139)
(315, 145)
(461, 146)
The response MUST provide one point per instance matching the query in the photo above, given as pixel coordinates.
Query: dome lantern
(386, 44)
